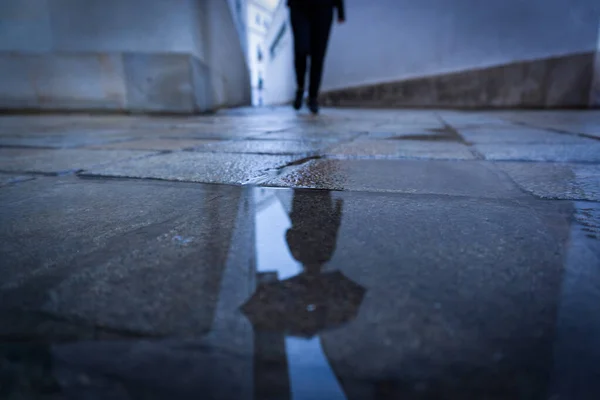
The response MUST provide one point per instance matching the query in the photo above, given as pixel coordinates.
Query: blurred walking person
(311, 23)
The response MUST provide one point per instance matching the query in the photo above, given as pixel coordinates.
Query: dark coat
(337, 4)
(316, 219)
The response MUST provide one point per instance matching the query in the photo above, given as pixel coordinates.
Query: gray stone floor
(262, 254)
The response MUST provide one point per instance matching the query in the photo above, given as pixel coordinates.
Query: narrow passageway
(411, 209)
(247, 254)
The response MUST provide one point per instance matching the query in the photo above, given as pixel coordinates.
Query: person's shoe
(298, 99)
(313, 105)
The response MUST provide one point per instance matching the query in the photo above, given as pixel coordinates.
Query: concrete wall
(595, 92)
(239, 9)
(401, 40)
(97, 26)
(226, 59)
(116, 55)
(439, 36)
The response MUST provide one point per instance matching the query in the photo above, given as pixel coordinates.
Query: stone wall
(556, 82)
(114, 55)
(595, 92)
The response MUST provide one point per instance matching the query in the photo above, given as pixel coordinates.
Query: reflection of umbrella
(304, 304)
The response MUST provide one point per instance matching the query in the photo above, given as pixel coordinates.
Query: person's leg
(301, 33)
(321, 21)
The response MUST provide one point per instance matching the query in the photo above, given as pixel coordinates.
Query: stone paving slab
(556, 181)
(142, 259)
(459, 271)
(195, 167)
(21, 325)
(541, 152)
(450, 178)
(11, 179)
(471, 119)
(194, 134)
(587, 220)
(308, 135)
(395, 149)
(156, 144)
(520, 135)
(267, 147)
(584, 122)
(507, 238)
(66, 130)
(57, 142)
(410, 126)
(61, 160)
(338, 128)
(61, 121)
(409, 134)
(477, 291)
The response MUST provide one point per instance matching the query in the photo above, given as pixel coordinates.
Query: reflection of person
(26, 372)
(315, 223)
(311, 23)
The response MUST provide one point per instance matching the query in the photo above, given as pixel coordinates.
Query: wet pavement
(260, 254)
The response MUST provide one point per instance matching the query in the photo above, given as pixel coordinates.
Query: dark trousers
(311, 26)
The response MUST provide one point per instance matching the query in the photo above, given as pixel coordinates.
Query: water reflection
(295, 297)
(457, 306)
(316, 219)
(26, 371)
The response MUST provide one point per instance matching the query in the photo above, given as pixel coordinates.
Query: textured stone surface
(410, 134)
(479, 119)
(268, 147)
(310, 134)
(156, 144)
(522, 135)
(403, 176)
(556, 181)
(201, 133)
(471, 292)
(106, 268)
(55, 140)
(402, 149)
(541, 152)
(382, 278)
(10, 179)
(399, 295)
(195, 167)
(63, 160)
(568, 121)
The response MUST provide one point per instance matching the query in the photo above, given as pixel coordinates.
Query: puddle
(428, 138)
(311, 294)
(296, 298)
(577, 342)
